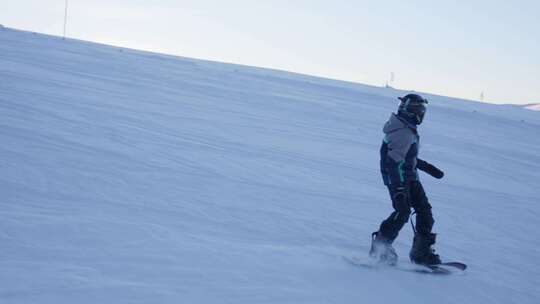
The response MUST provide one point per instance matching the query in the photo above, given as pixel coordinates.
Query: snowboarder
(399, 164)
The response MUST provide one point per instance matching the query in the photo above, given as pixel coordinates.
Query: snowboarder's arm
(429, 168)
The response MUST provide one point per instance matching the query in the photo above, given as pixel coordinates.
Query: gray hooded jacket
(399, 152)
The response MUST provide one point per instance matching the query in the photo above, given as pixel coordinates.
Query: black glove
(400, 198)
(429, 169)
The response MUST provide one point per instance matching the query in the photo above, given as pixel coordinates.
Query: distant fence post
(65, 19)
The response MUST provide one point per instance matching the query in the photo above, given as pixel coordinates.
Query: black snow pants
(417, 199)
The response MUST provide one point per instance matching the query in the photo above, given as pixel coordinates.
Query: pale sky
(453, 48)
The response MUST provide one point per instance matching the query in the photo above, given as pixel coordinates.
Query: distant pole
(482, 96)
(65, 18)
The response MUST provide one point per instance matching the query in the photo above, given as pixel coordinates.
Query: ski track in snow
(133, 177)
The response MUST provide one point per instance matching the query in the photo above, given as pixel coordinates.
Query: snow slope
(133, 177)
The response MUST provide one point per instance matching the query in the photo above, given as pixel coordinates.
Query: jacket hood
(395, 123)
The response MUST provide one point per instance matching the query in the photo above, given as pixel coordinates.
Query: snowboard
(442, 268)
(445, 268)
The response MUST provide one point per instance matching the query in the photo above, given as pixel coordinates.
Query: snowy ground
(132, 177)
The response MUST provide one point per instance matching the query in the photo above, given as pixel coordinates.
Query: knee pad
(402, 207)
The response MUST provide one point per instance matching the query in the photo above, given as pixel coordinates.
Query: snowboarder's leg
(422, 207)
(392, 225)
(421, 251)
(381, 244)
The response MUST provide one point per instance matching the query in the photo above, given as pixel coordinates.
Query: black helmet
(413, 107)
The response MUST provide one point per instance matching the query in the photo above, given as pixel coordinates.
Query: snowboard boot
(421, 251)
(382, 250)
